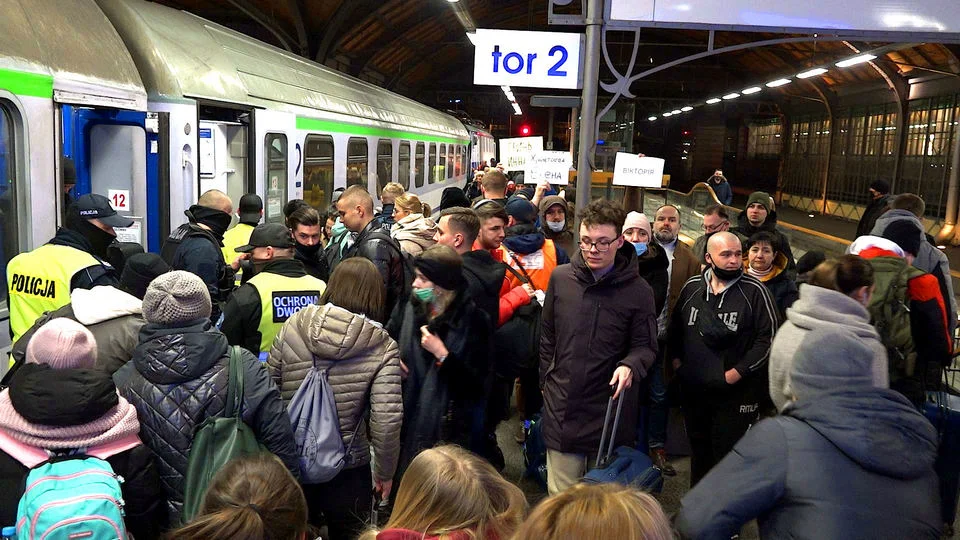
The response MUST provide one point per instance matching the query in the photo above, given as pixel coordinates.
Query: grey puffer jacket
(821, 308)
(850, 463)
(177, 379)
(365, 377)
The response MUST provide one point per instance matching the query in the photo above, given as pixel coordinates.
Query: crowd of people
(373, 352)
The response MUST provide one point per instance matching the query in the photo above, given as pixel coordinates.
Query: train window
(458, 161)
(449, 165)
(9, 197)
(420, 165)
(318, 170)
(357, 162)
(434, 164)
(384, 163)
(275, 176)
(438, 162)
(465, 160)
(403, 174)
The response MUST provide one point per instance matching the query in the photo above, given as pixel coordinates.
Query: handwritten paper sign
(514, 153)
(547, 166)
(633, 170)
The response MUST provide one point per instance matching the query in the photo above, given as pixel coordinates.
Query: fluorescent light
(687, 109)
(675, 111)
(667, 114)
(811, 73)
(472, 36)
(731, 96)
(856, 60)
(516, 109)
(711, 101)
(751, 90)
(778, 82)
(652, 118)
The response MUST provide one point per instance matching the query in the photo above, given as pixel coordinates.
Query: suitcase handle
(603, 460)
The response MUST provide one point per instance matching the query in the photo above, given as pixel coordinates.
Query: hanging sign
(633, 170)
(532, 59)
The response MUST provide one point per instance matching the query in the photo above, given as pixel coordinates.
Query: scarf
(758, 273)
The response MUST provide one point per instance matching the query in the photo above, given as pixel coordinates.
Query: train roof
(67, 49)
(181, 56)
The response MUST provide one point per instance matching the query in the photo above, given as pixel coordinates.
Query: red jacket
(511, 298)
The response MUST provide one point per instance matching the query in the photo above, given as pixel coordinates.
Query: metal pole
(953, 192)
(574, 114)
(588, 106)
(550, 131)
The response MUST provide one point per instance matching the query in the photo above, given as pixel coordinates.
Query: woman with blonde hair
(588, 512)
(413, 227)
(255, 498)
(449, 493)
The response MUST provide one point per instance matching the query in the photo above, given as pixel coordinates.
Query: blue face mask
(338, 228)
(640, 247)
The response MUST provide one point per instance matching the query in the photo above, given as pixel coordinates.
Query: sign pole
(588, 110)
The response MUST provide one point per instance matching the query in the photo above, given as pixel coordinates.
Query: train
(153, 106)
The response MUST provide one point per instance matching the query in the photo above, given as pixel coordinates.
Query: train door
(224, 147)
(278, 159)
(108, 149)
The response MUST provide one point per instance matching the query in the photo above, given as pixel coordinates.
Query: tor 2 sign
(530, 59)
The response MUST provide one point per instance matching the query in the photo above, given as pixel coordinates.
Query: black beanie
(140, 270)
(905, 234)
(881, 186)
(452, 197)
(445, 275)
(809, 261)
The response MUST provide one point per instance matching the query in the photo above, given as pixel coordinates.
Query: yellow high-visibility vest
(280, 298)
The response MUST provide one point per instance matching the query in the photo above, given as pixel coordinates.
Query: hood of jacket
(818, 307)
(625, 267)
(103, 303)
(63, 397)
(483, 266)
(333, 333)
(654, 259)
(415, 228)
(875, 427)
(897, 214)
(170, 355)
(524, 239)
(770, 224)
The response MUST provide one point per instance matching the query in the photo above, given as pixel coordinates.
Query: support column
(574, 114)
(588, 111)
(950, 232)
(550, 130)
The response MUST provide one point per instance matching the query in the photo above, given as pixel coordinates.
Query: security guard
(41, 280)
(251, 210)
(280, 287)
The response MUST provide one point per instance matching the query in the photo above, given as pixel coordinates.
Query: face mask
(338, 228)
(217, 221)
(726, 275)
(98, 238)
(309, 250)
(640, 247)
(426, 295)
(258, 264)
(556, 226)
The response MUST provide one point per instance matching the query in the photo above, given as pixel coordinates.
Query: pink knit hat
(636, 220)
(63, 343)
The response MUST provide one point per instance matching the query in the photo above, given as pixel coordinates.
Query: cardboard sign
(633, 170)
(514, 153)
(552, 167)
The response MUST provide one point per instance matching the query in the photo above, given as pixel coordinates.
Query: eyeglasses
(601, 245)
(715, 228)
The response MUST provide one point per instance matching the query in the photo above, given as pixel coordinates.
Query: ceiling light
(778, 82)
(652, 118)
(666, 114)
(751, 90)
(731, 96)
(811, 73)
(856, 60)
(687, 109)
(452, 1)
(711, 101)
(675, 111)
(516, 109)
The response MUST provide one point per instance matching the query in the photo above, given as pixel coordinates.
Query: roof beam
(265, 20)
(334, 29)
(295, 7)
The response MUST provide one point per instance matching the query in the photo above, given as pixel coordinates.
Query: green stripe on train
(26, 84)
(312, 124)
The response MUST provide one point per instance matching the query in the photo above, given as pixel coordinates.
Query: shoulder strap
(520, 265)
(359, 419)
(518, 275)
(234, 405)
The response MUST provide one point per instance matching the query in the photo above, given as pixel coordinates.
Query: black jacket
(200, 252)
(875, 208)
(745, 230)
(484, 277)
(784, 292)
(177, 379)
(589, 328)
(314, 263)
(749, 313)
(71, 401)
(653, 267)
(243, 311)
(91, 276)
(378, 247)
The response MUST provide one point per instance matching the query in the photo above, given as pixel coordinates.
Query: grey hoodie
(930, 259)
(855, 462)
(819, 308)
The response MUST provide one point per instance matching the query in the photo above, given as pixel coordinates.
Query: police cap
(268, 235)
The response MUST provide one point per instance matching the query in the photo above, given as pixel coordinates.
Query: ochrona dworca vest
(39, 281)
(280, 298)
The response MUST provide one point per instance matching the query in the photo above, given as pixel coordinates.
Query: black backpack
(516, 344)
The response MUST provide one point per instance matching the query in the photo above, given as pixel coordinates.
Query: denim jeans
(652, 428)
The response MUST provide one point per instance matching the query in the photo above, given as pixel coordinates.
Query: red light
(525, 130)
(685, 133)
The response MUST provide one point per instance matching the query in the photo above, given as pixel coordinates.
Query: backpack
(73, 496)
(406, 260)
(218, 440)
(890, 312)
(517, 343)
(316, 428)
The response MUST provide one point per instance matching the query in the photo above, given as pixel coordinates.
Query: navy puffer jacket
(850, 463)
(177, 379)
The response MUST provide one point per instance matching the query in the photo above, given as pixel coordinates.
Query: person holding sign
(279, 288)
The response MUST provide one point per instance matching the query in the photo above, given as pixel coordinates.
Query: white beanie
(636, 220)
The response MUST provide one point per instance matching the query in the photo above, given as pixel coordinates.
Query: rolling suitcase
(625, 465)
(943, 411)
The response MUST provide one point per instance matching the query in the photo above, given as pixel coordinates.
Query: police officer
(41, 280)
(251, 210)
(280, 287)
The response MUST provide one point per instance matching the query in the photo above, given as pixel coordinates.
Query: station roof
(419, 48)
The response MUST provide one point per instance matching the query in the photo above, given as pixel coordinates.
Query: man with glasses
(598, 336)
(715, 219)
